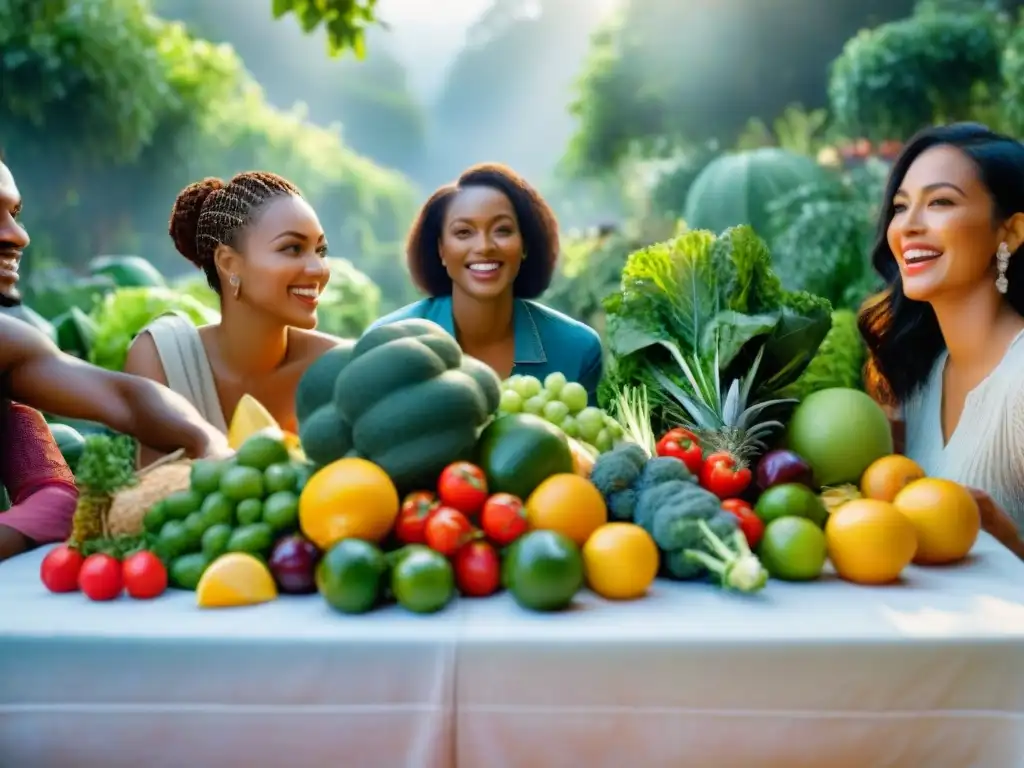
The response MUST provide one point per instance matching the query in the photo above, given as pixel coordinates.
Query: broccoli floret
(621, 505)
(729, 558)
(654, 498)
(662, 469)
(617, 469)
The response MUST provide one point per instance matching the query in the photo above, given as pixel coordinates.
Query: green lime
(793, 549)
(281, 511)
(205, 475)
(173, 540)
(256, 538)
(545, 572)
(281, 477)
(240, 483)
(790, 500)
(196, 526)
(249, 511)
(181, 504)
(350, 576)
(217, 508)
(185, 571)
(423, 581)
(263, 449)
(155, 518)
(215, 540)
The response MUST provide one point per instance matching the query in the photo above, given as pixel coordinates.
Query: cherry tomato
(144, 576)
(60, 568)
(503, 519)
(447, 530)
(724, 476)
(682, 444)
(411, 525)
(751, 525)
(463, 486)
(100, 577)
(477, 569)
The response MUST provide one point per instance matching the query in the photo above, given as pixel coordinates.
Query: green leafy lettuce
(712, 297)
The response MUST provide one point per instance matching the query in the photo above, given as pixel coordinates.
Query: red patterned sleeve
(38, 480)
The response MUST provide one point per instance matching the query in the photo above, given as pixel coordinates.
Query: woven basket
(155, 482)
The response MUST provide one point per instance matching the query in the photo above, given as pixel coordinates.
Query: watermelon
(739, 188)
(520, 451)
(75, 332)
(69, 441)
(127, 271)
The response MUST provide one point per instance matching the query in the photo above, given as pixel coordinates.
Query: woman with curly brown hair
(482, 249)
(263, 251)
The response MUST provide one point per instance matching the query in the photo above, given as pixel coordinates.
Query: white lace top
(986, 451)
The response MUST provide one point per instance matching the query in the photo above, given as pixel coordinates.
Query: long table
(929, 672)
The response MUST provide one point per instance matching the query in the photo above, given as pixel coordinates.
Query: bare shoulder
(143, 359)
(309, 345)
(20, 342)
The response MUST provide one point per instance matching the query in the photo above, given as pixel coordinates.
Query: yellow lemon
(620, 561)
(249, 418)
(235, 579)
(348, 499)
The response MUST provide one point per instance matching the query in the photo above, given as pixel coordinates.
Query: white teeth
(917, 254)
(310, 292)
(489, 266)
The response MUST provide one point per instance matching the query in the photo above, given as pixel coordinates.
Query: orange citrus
(869, 541)
(945, 516)
(620, 561)
(235, 579)
(887, 476)
(348, 499)
(568, 504)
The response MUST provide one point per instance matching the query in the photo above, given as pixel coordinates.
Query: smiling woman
(947, 337)
(258, 237)
(483, 248)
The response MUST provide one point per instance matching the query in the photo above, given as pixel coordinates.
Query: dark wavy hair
(536, 223)
(902, 335)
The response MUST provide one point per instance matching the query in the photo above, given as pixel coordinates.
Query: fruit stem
(737, 568)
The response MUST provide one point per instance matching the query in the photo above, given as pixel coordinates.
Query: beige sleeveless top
(186, 365)
(986, 448)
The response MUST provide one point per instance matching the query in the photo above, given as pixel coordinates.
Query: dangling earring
(1002, 264)
(236, 286)
(523, 256)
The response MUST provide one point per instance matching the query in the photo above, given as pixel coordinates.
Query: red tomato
(751, 525)
(100, 577)
(411, 525)
(144, 576)
(463, 486)
(503, 519)
(60, 568)
(447, 530)
(477, 569)
(723, 476)
(682, 444)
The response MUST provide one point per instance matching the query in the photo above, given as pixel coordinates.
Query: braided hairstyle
(209, 213)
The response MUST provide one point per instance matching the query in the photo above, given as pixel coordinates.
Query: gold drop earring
(1002, 264)
(236, 286)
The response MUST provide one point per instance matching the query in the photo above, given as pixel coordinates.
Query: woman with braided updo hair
(263, 251)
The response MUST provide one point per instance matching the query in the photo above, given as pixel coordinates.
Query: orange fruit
(945, 516)
(887, 476)
(235, 579)
(348, 499)
(620, 561)
(568, 504)
(870, 541)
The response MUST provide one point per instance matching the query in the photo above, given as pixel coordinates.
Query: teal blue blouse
(546, 340)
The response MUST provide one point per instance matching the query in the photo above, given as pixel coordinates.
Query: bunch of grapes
(564, 404)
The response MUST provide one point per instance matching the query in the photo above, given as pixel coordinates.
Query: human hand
(995, 521)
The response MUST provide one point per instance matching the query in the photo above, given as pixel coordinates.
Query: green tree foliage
(346, 21)
(897, 78)
(665, 74)
(102, 153)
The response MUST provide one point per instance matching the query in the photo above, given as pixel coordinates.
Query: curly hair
(210, 212)
(536, 222)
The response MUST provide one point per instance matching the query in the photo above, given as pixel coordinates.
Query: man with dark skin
(34, 372)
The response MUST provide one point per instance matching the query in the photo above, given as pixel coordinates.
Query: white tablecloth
(926, 673)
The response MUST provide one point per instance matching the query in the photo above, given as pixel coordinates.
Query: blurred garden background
(631, 116)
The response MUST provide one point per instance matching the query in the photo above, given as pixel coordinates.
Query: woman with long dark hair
(946, 339)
